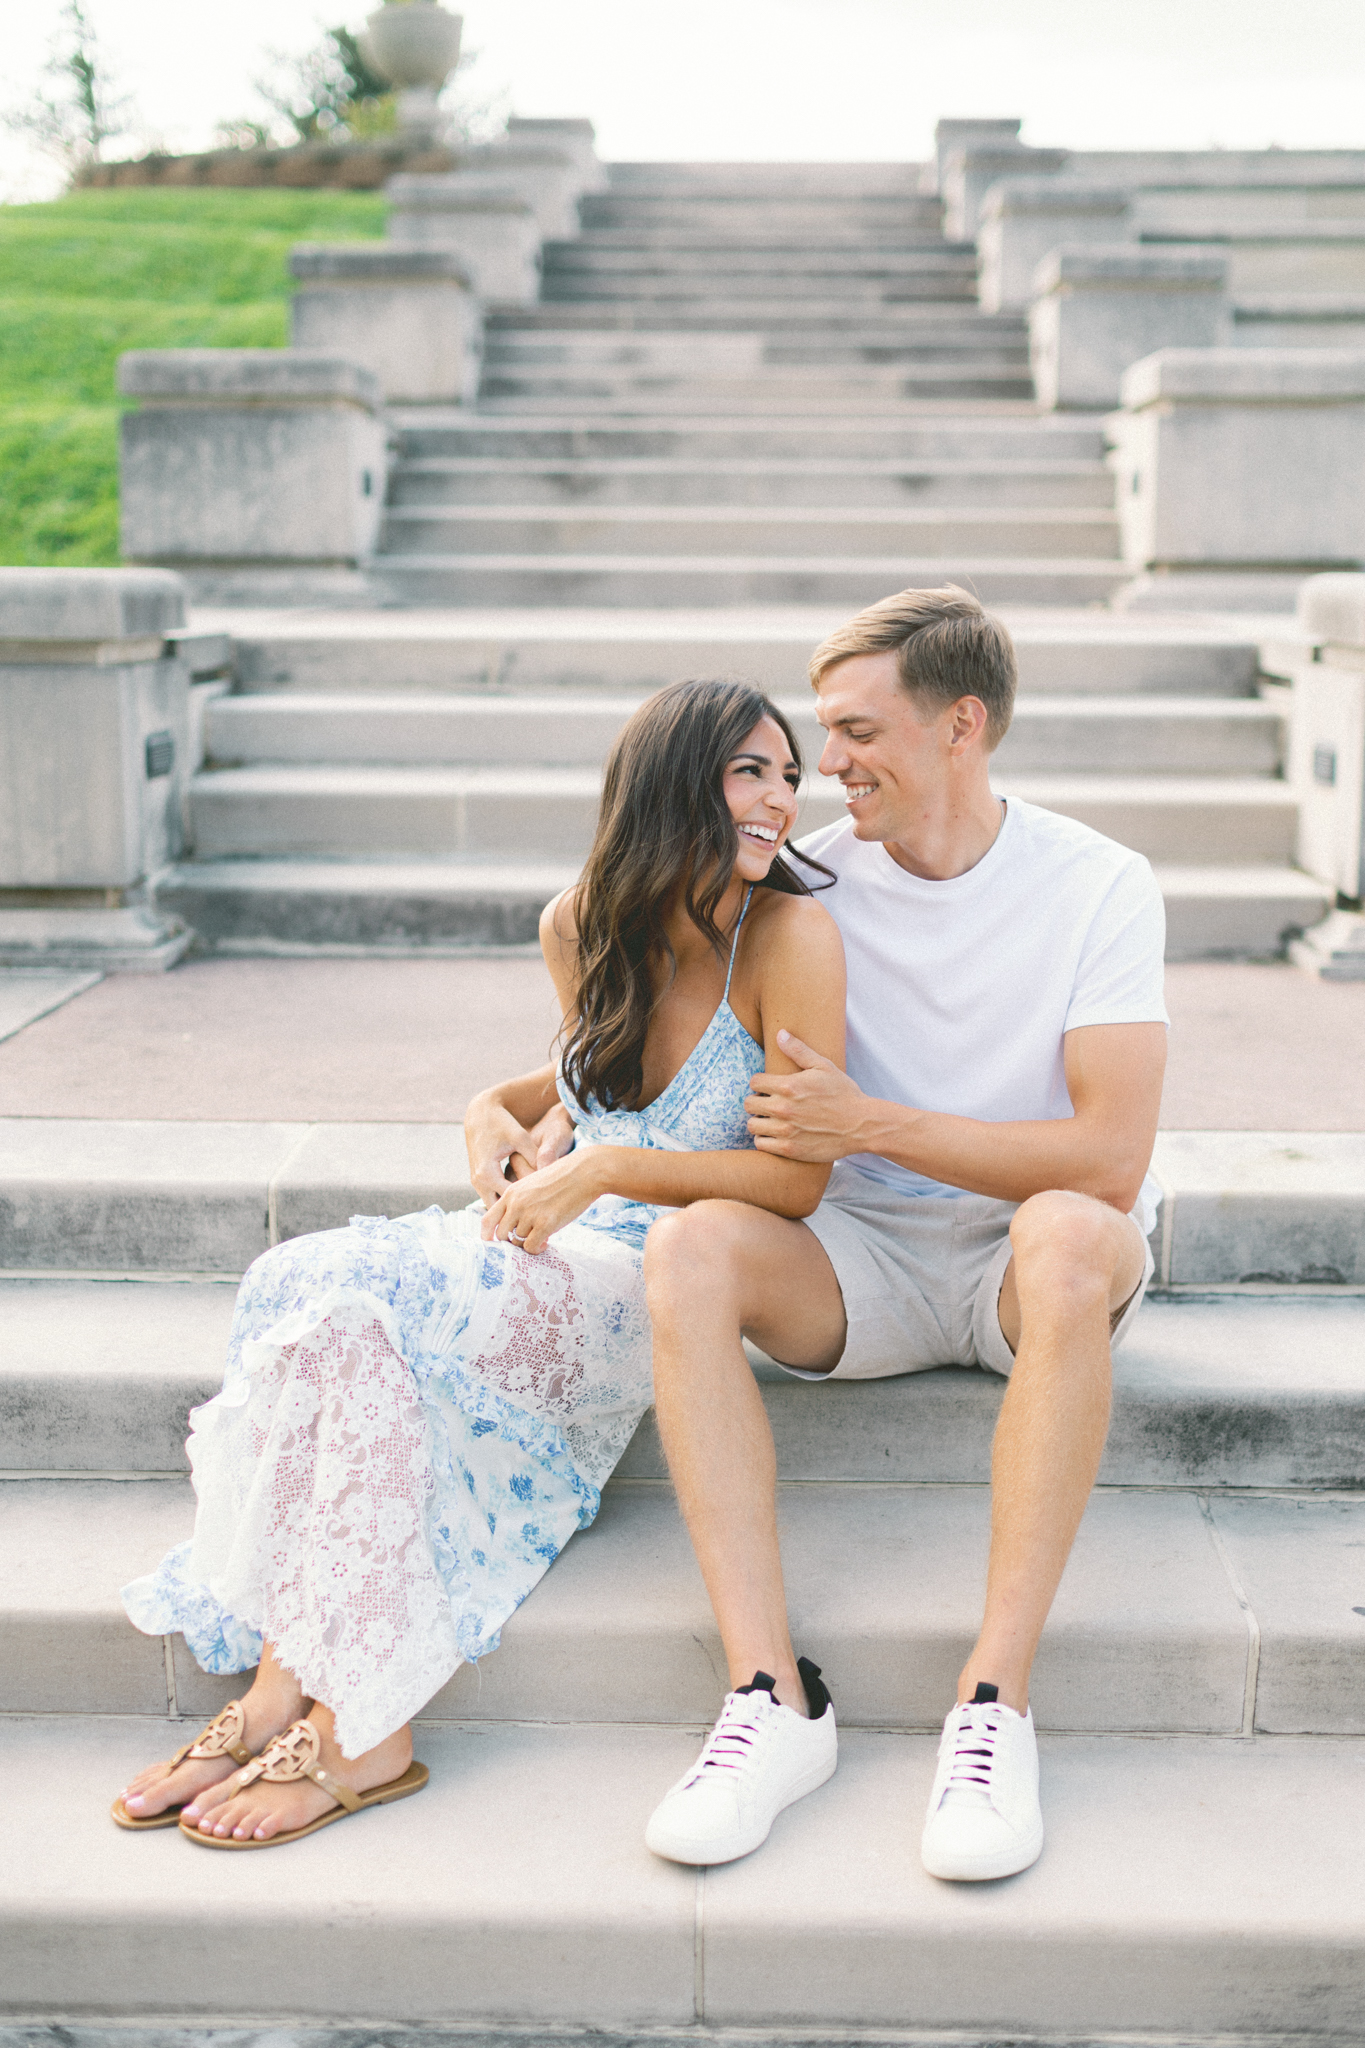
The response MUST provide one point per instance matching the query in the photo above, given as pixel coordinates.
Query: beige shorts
(921, 1277)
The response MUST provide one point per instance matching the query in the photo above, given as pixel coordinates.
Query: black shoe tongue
(984, 1694)
(760, 1682)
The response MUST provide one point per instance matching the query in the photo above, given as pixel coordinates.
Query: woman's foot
(265, 1809)
(267, 1711)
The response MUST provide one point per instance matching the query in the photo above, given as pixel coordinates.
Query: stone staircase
(751, 399)
(432, 786)
(1198, 1687)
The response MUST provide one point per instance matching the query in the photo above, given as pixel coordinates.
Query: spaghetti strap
(734, 943)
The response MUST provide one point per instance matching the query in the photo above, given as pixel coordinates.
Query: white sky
(784, 78)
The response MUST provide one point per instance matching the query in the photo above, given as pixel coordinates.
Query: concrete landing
(410, 1041)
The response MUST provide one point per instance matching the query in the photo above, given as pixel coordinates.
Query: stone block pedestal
(1097, 309)
(969, 173)
(951, 136)
(1327, 767)
(1025, 219)
(575, 139)
(94, 746)
(496, 239)
(407, 315)
(258, 473)
(1239, 473)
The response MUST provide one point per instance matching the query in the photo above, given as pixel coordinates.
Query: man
(1006, 1041)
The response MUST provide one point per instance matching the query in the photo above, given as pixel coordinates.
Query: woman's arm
(498, 1130)
(795, 968)
(499, 1124)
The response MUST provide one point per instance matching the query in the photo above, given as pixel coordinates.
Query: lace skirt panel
(411, 1427)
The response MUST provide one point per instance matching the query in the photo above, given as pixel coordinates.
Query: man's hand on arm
(1113, 1075)
(816, 1114)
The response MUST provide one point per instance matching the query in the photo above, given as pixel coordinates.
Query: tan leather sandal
(295, 1755)
(222, 1737)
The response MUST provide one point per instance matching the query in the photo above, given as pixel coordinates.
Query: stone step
(405, 908)
(1131, 735)
(753, 219)
(757, 261)
(783, 388)
(884, 1584)
(578, 346)
(438, 652)
(1238, 913)
(880, 181)
(84, 1196)
(758, 532)
(1008, 435)
(797, 346)
(578, 350)
(1244, 1388)
(705, 294)
(680, 581)
(511, 480)
(931, 320)
(951, 309)
(515, 812)
(1236, 1910)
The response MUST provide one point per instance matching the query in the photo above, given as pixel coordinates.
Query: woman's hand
(493, 1136)
(529, 1213)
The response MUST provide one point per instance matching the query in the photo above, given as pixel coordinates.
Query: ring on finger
(512, 1235)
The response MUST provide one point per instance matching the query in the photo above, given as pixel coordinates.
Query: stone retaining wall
(349, 166)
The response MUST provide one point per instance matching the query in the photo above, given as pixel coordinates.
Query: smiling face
(896, 755)
(759, 788)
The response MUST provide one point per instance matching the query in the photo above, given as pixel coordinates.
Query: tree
(319, 91)
(77, 115)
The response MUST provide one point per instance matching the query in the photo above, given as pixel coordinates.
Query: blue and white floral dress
(413, 1423)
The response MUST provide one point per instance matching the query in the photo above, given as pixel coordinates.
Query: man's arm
(1113, 1075)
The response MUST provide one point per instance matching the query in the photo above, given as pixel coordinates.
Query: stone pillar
(1327, 768)
(407, 315)
(969, 174)
(1096, 310)
(1239, 471)
(954, 135)
(1024, 219)
(94, 744)
(547, 179)
(259, 473)
(497, 241)
(575, 139)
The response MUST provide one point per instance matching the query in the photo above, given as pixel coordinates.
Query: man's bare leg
(714, 1271)
(1075, 1261)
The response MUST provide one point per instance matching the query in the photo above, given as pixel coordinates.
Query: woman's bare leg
(273, 1701)
(263, 1809)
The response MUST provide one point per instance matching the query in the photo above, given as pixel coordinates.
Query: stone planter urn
(415, 44)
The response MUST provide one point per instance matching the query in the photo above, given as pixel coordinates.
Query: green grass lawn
(84, 278)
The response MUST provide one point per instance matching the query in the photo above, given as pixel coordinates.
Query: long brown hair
(663, 827)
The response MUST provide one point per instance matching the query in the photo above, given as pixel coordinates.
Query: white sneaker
(984, 1819)
(758, 1758)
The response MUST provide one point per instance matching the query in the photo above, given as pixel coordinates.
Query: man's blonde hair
(946, 647)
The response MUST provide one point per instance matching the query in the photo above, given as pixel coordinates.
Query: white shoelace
(974, 1753)
(738, 1735)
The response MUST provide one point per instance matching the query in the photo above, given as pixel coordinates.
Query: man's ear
(969, 723)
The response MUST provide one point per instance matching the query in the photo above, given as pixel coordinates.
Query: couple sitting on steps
(418, 1414)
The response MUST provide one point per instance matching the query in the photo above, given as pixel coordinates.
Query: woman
(418, 1414)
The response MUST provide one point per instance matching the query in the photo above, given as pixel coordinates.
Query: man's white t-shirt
(959, 992)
